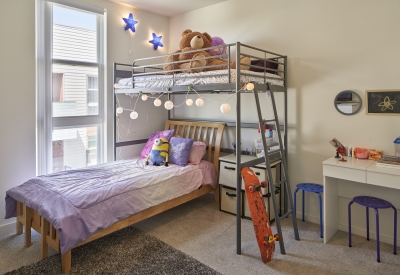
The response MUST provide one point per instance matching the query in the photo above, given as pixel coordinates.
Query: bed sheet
(209, 77)
(81, 202)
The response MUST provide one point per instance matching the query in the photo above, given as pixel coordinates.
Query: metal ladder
(272, 185)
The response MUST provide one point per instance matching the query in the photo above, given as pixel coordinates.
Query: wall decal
(130, 23)
(156, 41)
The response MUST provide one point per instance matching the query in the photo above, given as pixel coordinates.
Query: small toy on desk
(375, 154)
(234, 147)
(340, 149)
(159, 152)
(397, 149)
(361, 153)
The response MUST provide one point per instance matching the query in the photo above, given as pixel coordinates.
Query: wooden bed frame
(209, 133)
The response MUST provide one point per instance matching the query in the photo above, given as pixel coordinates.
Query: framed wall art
(383, 102)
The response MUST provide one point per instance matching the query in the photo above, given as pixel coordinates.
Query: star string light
(156, 41)
(130, 23)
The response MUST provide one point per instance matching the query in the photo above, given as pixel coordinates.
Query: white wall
(17, 79)
(331, 46)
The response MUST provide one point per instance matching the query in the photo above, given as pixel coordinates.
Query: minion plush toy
(159, 152)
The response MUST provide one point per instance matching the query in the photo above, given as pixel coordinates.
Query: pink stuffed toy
(217, 41)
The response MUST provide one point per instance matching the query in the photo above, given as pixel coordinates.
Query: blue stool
(315, 188)
(376, 204)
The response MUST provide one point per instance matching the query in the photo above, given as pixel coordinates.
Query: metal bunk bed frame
(236, 86)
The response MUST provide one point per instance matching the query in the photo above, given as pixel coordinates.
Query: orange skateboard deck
(259, 215)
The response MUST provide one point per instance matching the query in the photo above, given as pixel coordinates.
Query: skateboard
(259, 216)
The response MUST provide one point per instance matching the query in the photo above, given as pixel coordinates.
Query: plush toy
(190, 60)
(159, 152)
(217, 41)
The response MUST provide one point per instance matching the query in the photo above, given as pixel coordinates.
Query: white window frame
(45, 123)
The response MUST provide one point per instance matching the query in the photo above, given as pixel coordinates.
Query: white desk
(354, 170)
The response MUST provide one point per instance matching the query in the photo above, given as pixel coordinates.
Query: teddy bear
(195, 41)
(159, 152)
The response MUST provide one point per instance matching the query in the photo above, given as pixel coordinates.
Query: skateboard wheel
(263, 184)
(265, 244)
(251, 189)
(276, 236)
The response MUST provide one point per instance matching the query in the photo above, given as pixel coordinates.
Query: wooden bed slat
(199, 133)
(210, 145)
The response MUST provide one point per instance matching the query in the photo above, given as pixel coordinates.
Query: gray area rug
(127, 251)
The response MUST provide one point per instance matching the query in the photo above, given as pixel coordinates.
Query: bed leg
(44, 229)
(28, 225)
(19, 225)
(19, 228)
(216, 194)
(66, 262)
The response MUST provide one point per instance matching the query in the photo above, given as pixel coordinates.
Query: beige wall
(331, 46)
(17, 79)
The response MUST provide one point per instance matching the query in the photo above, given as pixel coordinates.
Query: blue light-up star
(156, 41)
(130, 23)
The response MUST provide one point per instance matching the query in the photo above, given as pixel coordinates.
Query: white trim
(76, 121)
(102, 78)
(78, 5)
(43, 84)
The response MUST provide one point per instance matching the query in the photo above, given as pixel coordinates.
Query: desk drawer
(345, 173)
(381, 179)
(268, 201)
(227, 175)
(228, 199)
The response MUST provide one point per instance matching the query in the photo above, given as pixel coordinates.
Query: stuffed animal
(159, 152)
(217, 41)
(190, 60)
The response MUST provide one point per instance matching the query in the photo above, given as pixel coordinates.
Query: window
(70, 85)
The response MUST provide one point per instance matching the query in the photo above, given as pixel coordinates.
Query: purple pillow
(264, 64)
(179, 150)
(167, 134)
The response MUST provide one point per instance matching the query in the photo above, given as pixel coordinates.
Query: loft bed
(64, 207)
(148, 77)
(268, 72)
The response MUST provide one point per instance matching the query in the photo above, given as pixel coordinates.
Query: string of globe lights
(169, 105)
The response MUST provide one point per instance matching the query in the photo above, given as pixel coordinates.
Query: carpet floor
(198, 229)
(127, 251)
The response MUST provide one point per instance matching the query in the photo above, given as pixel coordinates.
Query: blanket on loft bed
(208, 77)
(81, 202)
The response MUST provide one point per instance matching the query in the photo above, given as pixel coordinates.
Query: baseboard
(363, 232)
(8, 226)
(308, 218)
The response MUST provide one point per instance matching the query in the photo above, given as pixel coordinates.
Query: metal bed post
(114, 113)
(285, 137)
(238, 152)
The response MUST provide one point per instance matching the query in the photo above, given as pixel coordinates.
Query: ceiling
(169, 7)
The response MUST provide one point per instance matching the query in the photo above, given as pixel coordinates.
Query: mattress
(209, 77)
(81, 202)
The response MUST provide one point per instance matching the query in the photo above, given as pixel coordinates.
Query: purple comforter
(80, 202)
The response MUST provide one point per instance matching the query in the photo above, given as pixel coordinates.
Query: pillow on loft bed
(125, 82)
(179, 150)
(167, 134)
(197, 153)
(266, 64)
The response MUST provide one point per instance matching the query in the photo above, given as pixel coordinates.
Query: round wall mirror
(348, 102)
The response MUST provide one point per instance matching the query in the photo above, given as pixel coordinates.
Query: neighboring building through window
(92, 95)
